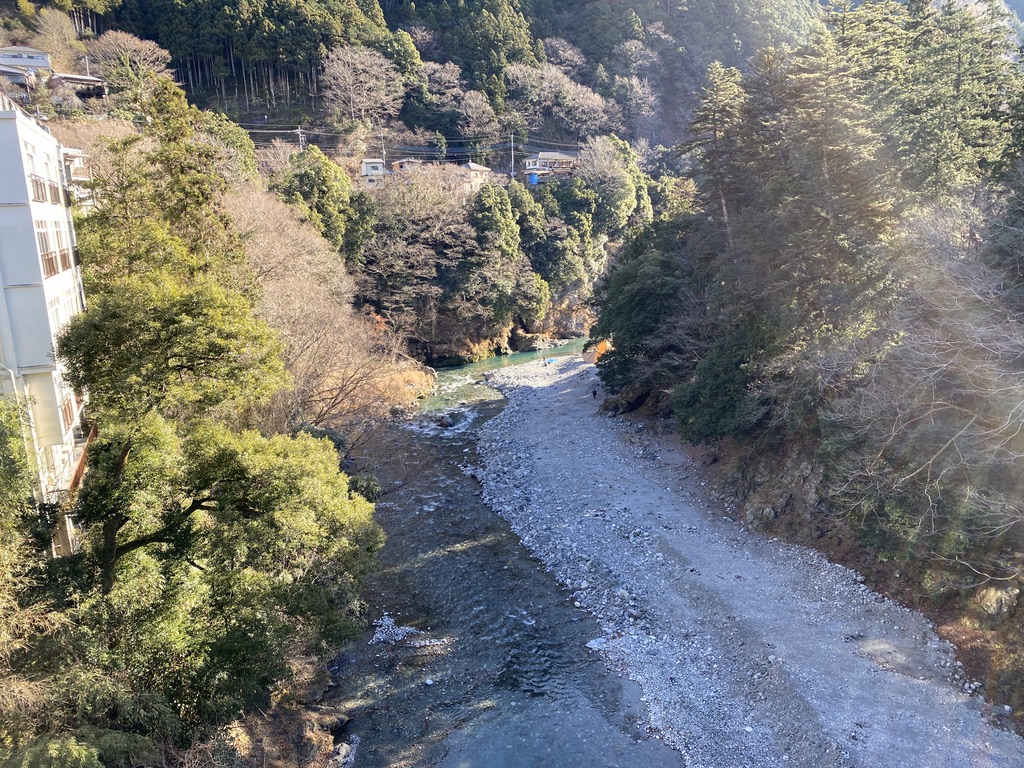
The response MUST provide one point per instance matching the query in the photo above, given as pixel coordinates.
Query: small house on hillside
(406, 164)
(84, 86)
(475, 175)
(24, 58)
(20, 77)
(372, 170)
(546, 165)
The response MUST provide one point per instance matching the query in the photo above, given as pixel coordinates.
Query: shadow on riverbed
(497, 673)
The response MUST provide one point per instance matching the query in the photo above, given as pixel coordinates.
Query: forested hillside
(799, 228)
(483, 81)
(840, 310)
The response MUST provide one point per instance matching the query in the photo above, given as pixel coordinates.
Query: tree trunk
(110, 530)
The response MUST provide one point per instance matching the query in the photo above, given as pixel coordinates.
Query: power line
(329, 131)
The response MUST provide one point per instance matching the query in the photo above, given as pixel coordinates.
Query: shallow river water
(497, 673)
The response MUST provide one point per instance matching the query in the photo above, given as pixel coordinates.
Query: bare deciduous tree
(566, 56)
(632, 57)
(274, 158)
(346, 373)
(478, 119)
(641, 103)
(426, 41)
(541, 92)
(129, 64)
(444, 84)
(362, 84)
(56, 34)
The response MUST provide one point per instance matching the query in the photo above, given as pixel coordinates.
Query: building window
(38, 188)
(53, 310)
(49, 264)
(62, 249)
(67, 413)
(46, 252)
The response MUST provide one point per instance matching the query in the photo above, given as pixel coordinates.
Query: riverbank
(749, 652)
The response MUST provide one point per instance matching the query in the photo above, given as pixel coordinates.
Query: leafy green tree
(799, 270)
(654, 282)
(604, 25)
(234, 144)
(499, 270)
(323, 194)
(254, 522)
(609, 166)
(939, 82)
(530, 217)
(19, 619)
(189, 347)
(170, 326)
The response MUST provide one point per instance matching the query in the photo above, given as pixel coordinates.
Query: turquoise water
(464, 385)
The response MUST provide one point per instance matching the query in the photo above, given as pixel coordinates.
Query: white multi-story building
(40, 290)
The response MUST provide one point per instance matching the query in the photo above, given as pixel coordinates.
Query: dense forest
(840, 310)
(799, 227)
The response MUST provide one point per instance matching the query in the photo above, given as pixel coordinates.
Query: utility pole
(512, 172)
(383, 152)
(302, 139)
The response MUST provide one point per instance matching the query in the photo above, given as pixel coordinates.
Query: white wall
(28, 327)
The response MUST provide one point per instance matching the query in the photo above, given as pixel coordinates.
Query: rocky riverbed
(478, 656)
(748, 652)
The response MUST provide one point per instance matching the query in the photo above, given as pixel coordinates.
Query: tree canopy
(211, 551)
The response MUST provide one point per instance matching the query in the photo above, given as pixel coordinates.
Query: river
(497, 673)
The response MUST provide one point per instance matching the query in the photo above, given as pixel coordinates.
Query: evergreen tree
(323, 195)
(714, 135)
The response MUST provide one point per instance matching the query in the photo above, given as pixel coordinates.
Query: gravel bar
(749, 652)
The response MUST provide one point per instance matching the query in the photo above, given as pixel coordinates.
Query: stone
(999, 603)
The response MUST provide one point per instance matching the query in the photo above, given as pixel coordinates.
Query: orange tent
(592, 354)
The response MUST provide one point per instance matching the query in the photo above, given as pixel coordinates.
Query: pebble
(617, 571)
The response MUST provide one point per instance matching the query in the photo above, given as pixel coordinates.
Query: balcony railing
(38, 188)
(55, 196)
(50, 264)
(65, 259)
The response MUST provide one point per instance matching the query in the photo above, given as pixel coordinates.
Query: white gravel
(750, 652)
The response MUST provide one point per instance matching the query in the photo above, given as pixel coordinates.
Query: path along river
(611, 617)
